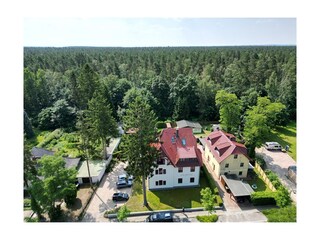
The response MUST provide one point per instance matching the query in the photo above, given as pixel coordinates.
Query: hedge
(161, 124)
(208, 218)
(264, 198)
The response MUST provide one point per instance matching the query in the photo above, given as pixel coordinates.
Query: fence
(264, 177)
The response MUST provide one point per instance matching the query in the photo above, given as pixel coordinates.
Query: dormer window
(227, 165)
(184, 142)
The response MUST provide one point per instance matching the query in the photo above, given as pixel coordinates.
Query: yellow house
(226, 156)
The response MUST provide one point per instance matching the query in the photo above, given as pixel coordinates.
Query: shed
(196, 127)
(97, 169)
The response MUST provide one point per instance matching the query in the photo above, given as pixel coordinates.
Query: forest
(177, 82)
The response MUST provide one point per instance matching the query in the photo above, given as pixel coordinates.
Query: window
(235, 156)
(179, 180)
(192, 169)
(164, 182)
(241, 164)
(227, 165)
(192, 180)
(157, 172)
(157, 183)
(208, 159)
(161, 161)
(240, 173)
(160, 182)
(180, 169)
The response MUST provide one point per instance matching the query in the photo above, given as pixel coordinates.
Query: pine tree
(138, 149)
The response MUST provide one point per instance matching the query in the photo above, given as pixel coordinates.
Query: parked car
(119, 196)
(160, 217)
(272, 146)
(125, 177)
(123, 183)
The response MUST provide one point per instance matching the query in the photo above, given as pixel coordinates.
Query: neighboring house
(37, 153)
(195, 126)
(97, 169)
(180, 160)
(226, 156)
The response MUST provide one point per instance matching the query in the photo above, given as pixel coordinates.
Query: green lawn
(261, 186)
(285, 136)
(287, 214)
(166, 199)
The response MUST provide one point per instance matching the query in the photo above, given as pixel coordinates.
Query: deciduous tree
(230, 109)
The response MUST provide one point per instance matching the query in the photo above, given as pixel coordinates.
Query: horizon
(159, 32)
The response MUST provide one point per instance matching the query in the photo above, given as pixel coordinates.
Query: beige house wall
(234, 164)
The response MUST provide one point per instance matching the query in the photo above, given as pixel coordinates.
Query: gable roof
(180, 147)
(186, 123)
(40, 152)
(222, 145)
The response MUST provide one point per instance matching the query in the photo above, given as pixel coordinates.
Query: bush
(283, 197)
(273, 178)
(264, 198)
(27, 204)
(161, 124)
(209, 218)
(71, 198)
(260, 161)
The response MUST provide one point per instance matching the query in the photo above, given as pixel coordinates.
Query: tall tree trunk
(104, 146)
(145, 202)
(88, 168)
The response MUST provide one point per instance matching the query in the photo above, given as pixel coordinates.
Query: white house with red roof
(180, 160)
(224, 155)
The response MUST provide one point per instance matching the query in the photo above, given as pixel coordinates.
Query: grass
(287, 214)
(285, 136)
(261, 186)
(166, 199)
(58, 141)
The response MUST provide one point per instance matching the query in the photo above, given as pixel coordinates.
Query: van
(272, 146)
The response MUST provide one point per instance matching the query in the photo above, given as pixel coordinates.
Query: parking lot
(102, 199)
(278, 162)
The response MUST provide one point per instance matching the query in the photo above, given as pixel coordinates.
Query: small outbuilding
(97, 169)
(196, 127)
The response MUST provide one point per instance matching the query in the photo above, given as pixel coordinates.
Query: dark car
(120, 196)
(160, 217)
(123, 183)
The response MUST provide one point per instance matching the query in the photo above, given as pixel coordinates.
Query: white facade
(168, 176)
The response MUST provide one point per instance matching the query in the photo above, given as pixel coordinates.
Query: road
(246, 215)
(278, 162)
(102, 198)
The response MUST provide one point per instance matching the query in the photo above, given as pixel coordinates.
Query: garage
(240, 191)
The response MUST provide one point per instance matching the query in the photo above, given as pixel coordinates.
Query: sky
(145, 32)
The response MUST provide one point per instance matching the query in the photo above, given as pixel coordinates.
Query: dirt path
(278, 162)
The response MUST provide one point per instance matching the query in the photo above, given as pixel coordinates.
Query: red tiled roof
(180, 144)
(222, 145)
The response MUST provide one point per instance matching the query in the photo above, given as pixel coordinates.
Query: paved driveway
(278, 162)
(102, 198)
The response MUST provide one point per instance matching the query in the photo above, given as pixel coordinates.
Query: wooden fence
(264, 177)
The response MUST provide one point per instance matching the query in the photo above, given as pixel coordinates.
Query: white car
(272, 146)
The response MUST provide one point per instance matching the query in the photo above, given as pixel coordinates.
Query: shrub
(123, 213)
(27, 203)
(209, 218)
(161, 124)
(283, 197)
(263, 198)
(260, 161)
